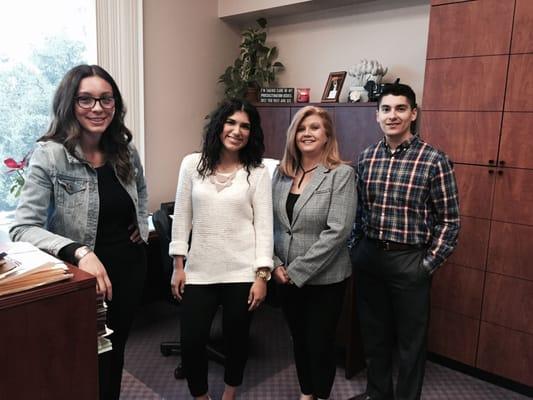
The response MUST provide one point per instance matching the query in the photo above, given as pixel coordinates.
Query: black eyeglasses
(88, 102)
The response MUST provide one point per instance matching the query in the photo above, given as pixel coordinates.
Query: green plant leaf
(262, 22)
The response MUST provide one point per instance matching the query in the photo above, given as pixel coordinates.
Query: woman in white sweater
(224, 197)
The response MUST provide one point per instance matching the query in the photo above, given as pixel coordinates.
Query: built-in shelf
(240, 11)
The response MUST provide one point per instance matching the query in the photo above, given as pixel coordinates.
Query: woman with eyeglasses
(85, 201)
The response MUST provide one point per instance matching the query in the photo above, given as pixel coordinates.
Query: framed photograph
(333, 87)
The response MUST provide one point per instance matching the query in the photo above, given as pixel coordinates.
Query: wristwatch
(81, 252)
(264, 274)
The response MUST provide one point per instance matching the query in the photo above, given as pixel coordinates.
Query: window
(41, 41)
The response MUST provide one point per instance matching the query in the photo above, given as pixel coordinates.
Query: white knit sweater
(232, 228)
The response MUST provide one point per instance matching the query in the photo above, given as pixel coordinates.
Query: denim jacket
(59, 203)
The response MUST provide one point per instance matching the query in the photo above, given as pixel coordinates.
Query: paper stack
(104, 344)
(23, 266)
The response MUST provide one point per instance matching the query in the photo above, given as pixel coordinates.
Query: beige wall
(186, 48)
(312, 45)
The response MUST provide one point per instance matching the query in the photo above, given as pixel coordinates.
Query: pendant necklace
(305, 172)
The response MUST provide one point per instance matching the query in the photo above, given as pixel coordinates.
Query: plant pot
(252, 94)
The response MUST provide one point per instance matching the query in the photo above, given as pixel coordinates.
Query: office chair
(162, 224)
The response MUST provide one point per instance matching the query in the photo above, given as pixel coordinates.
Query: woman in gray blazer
(314, 203)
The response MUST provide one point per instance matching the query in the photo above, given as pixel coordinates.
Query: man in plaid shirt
(406, 226)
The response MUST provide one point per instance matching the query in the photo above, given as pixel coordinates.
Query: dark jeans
(198, 308)
(126, 268)
(312, 313)
(393, 294)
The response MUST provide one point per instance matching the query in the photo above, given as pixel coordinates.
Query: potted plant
(254, 67)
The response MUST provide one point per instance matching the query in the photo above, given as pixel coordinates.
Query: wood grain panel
(456, 30)
(466, 137)
(458, 289)
(471, 250)
(520, 83)
(465, 84)
(506, 352)
(513, 196)
(454, 336)
(442, 2)
(356, 130)
(508, 302)
(274, 121)
(510, 250)
(516, 145)
(475, 186)
(522, 41)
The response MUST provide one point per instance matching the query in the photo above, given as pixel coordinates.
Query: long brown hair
(292, 156)
(66, 129)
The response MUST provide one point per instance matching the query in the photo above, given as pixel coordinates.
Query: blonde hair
(291, 158)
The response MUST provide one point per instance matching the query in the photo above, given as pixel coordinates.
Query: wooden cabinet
(465, 84)
(522, 32)
(478, 108)
(455, 30)
(48, 335)
(453, 335)
(475, 134)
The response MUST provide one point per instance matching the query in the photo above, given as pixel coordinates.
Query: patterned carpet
(270, 373)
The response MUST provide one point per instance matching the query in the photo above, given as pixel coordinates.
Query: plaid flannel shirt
(408, 196)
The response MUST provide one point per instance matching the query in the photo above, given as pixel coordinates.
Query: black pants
(198, 308)
(393, 297)
(312, 313)
(126, 268)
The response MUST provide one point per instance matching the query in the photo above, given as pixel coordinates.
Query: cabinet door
(508, 302)
(520, 81)
(513, 196)
(465, 84)
(510, 250)
(466, 137)
(522, 32)
(473, 241)
(453, 335)
(475, 185)
(506, 352)
(274, 121)
(516, 145)
(455, 30)
(356, 130)
(458, 289)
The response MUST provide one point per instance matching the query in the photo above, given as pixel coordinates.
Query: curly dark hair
(65, 128)
(251, 156)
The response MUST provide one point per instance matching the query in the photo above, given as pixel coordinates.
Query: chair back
(163, 227)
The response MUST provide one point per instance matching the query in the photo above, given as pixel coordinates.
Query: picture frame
(333, 87)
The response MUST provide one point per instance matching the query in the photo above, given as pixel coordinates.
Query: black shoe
(362, 396)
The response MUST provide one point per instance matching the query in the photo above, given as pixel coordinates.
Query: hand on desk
(91, 264)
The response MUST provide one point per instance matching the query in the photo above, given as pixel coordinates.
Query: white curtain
(119, 33)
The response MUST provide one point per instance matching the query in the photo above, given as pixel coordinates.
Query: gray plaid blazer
(313, 247)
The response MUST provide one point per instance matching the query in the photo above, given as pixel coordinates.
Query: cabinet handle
(491, 171)
(500, 172)
(491, 162)
(502, 163)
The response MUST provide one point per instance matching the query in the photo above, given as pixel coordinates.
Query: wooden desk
(48, 347)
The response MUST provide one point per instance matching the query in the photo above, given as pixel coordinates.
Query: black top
(116, 214)
(291, 200)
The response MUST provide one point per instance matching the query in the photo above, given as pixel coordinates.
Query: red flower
(12, 164)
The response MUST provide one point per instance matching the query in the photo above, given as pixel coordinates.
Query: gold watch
(263, 274)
